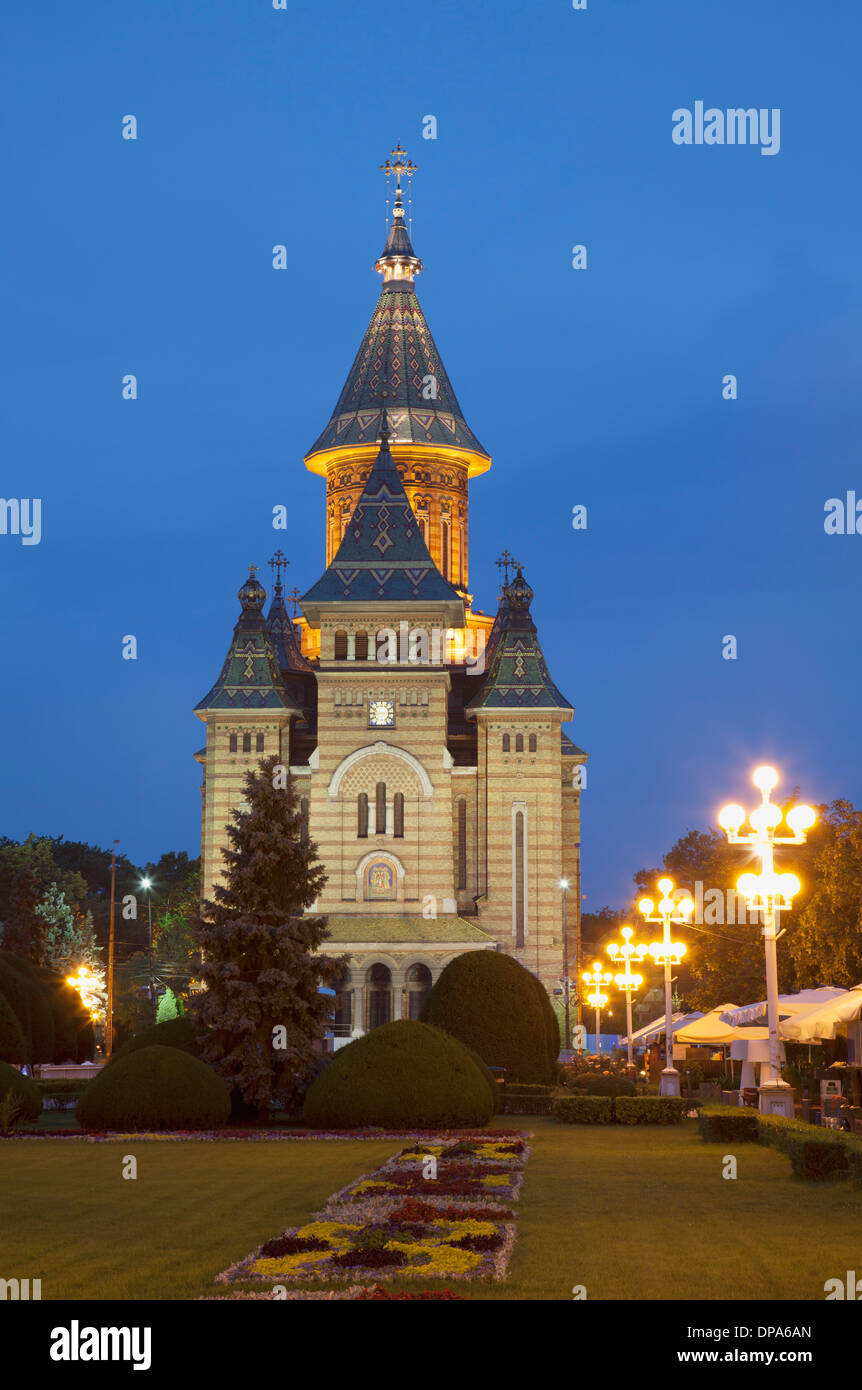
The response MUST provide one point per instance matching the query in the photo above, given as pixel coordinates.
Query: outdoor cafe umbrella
(651, 1032)
(712, 1031)
(820, 1022)
(799, 1003)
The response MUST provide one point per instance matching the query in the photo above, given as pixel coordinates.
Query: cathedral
(424, 737)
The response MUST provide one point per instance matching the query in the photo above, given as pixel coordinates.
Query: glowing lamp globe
(731, 817)
(765, 778)
(788, 885)
(801, 818)
(645, 906)
(666, 885)
(766, 817)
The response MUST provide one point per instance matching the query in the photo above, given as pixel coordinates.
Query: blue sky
(600, 387)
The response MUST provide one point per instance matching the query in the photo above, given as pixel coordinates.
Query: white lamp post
(769, 894)
(626, 980)
(598, 978)
(667, 953)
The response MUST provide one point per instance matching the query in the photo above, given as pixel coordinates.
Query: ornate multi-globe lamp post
(769, 894)
(598, 978)
(667, 953)
(626, 980)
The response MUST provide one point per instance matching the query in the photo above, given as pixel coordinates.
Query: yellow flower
(286, 1264)
(495, 1180)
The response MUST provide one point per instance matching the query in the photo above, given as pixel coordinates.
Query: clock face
(381, 714)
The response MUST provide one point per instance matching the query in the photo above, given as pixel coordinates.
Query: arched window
(519, 877)
(533, 743)
(246, 743)
(462, 843)
(340, 652)
(380, 809)
(399, 815)
(444, 549)
(519, 743)
(232, 744)
(507, 743)
(259, 743)
(303, 820)
(417, 984)
(362, 816)
(379, 995)
(362, 646)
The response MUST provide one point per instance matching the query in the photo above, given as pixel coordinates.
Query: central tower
(399, 369)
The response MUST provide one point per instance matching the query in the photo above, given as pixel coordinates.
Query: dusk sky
(600, 387)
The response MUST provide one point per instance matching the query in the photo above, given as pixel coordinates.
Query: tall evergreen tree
(262, 1011)
(24, 930)
(70, 940)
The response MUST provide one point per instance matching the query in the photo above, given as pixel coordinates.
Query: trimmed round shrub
(492, 1004)
(74, 1036)
(155, 1088)
(25, 1090)
(403, 1074)
(175, 1032)
(12, 1045)
(493, 1085)
(25, 993)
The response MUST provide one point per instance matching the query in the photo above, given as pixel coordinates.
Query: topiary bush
(596, 1084)
(493, 1005)
(24, 1090)
(584, 1110)
(25, 992)
(175, 1032)
(720, 1123)
(818, 1156)
(154, 1088)
(649, 1110)
(13, 1048)
(74, 1037)
(403, 1074)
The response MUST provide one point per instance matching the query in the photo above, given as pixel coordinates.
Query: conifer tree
(261, 1011)
(70, 940)
(24, 930)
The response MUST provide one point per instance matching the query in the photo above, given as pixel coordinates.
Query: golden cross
(294, 598)
(277, 564)
(402, 165)
(505, 562)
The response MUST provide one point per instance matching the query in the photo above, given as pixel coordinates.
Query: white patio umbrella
(651, 1031)
(821, 1021)
(712, 1031)
(787, 1004)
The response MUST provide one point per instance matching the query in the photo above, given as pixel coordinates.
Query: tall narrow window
(362, 816)
(233, 743)
(399, 815)
(259, 743)
(461, 557)
(532, 743)
(340, 652)
(444, 549)
(507, 743)
(519, 743)
(246, 743)
(518, 878)
(462, 843)
(303, 820)
(380, 809)
(362, 646)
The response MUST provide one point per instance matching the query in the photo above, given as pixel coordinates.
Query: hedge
(154, 1088)
(406, 1074)
(584, 1110)
(493, 1005)
(649, 1110)
(25, 1090)
(522, 1089)
(594, 1084)
(720, 1124)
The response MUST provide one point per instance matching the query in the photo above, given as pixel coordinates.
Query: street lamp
(626, 980)
(667, 953)
(597, 978)
(769, 894)
(147, 884)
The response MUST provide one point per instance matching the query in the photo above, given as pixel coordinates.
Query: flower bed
(398, 1223)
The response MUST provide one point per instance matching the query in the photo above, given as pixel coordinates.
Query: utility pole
(109, 1020)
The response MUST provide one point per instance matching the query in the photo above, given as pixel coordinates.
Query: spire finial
(504, 564)
(278, 562)
(402, 166)
(252, 570)
(398, 262)
(385, 431)
(294, 597)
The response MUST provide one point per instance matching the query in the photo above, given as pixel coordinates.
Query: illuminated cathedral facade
(424, 737)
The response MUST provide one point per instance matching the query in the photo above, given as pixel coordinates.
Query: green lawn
(625, 1212)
